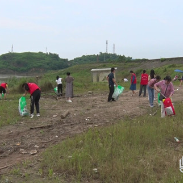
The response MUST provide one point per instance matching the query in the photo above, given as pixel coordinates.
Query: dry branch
(44, 126)
(5, 167)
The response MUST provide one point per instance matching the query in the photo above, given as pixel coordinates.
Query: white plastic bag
(117, 92)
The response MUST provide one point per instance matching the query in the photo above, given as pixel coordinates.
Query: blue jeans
(151, 95)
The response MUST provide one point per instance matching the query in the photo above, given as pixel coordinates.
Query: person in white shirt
(59, 85)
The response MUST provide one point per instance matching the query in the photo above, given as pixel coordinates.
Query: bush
(46, 86)
(163, 59)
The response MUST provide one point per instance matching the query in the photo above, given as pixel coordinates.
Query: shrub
(46, 86)
(163, 59)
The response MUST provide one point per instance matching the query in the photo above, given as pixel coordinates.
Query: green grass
(139, 150)
(9, 110)
(83, 77)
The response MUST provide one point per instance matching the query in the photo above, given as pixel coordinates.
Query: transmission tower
(106, 46)
(12, 49)
(113, 48)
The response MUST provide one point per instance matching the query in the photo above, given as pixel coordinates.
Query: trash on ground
(32, 152)
(23, 151)
(176, 139)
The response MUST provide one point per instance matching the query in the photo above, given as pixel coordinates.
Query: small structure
(100, 75)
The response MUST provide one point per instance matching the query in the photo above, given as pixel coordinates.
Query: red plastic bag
(169, 108)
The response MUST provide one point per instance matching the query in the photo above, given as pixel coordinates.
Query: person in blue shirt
(111, 81)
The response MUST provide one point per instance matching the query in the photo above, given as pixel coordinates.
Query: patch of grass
(9, 110)
(134, 150)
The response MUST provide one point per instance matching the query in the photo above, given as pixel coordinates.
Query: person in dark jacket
(35, 94)
(111, 82)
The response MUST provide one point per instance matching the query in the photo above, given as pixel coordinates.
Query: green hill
(32, 62)
(42, 62)
(101, 57)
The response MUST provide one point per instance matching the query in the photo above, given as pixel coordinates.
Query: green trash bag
(2, 96)
(158, 99)
(23, 107)
(117, 92)
(56, 90)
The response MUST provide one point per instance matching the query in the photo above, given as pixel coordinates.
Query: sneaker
(69, 100)
(151, 106)
(38, 115)
(32, 115)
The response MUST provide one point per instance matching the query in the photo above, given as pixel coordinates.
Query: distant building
(100, 75)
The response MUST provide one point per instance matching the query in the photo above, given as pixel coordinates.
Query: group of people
(35, 92)
(69, 86)
(150, 82)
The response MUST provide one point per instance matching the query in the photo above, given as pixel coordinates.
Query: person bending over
(35, 94)
(3, 89)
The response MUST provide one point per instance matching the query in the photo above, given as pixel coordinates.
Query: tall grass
(139, 150)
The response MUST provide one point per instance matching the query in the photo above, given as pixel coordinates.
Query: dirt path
(87, 111)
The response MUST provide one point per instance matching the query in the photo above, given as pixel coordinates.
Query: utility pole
(113, 48)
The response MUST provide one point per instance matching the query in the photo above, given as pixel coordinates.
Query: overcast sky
(72, 28)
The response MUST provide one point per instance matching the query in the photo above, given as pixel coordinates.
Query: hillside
(101, 57)
(31, 62)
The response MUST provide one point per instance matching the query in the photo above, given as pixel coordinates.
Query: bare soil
(86, 111)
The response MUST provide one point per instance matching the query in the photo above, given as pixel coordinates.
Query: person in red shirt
(35, 93)
(133, 82)
(143, 83)
(3, 89)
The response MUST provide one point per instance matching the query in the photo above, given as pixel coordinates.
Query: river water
(5, 77)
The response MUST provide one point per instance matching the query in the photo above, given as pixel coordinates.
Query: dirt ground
(86, 111)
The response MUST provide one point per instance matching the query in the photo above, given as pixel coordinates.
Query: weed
(40, 172)
(41, 131)
(138, 150)
(15, 171)
(50, 173)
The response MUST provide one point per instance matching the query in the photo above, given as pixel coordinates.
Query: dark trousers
(60, 89)
(111, 91)
(35, 100)
(141, 88)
